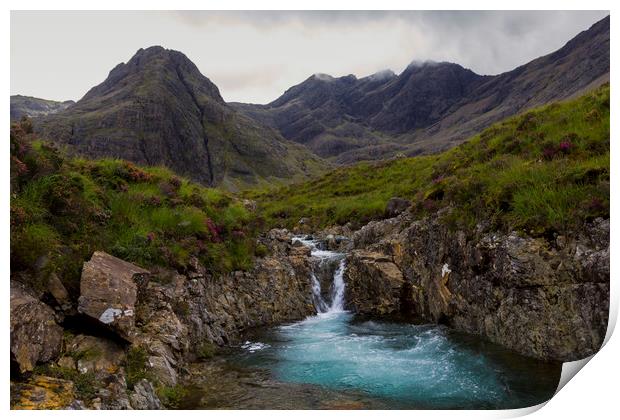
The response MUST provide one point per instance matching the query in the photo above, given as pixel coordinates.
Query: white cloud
(255, 56)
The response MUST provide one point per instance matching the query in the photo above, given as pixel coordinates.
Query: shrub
(172, 397)
(260, 250)
(206, 351)
(32, 241)
(565, 146)
(136, 366)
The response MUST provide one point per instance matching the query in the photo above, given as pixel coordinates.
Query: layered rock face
(542, 298)
(176, 317)
(164, 317)
(380, 293)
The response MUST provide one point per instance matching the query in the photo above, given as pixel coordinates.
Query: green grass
(64, 209)
(541, 172)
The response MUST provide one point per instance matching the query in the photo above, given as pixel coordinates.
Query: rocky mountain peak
(381, 75)
(435, 69)
(151, 64)
(158, 109)
(322, 77)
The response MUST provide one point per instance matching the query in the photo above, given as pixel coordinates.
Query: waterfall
(338, 289)
(319, 303)
(324, 257)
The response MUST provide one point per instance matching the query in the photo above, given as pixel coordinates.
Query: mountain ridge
(430, 106)
(158, 109)
(30, 106)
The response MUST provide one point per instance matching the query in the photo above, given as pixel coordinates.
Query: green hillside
(542, 172)
(63, 209)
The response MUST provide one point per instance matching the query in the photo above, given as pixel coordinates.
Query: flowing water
(401, 365)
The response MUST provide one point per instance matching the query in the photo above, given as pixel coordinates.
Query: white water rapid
(324, 257)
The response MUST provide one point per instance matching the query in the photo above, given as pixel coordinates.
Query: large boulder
(35, 336)
(109, 290)
(380, 230)
(374, 283)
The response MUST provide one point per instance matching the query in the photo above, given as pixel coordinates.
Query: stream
(392, 365)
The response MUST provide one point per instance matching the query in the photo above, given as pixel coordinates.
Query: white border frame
(592, 393)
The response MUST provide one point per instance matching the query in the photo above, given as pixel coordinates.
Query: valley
(435, 239)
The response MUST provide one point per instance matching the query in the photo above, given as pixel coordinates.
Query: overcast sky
(255, 56)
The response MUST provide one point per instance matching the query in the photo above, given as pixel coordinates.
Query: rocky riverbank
(136, 338)
(545, 298)
(126, 343)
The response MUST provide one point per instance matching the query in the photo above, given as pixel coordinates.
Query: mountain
(323, 113)
(579, 66)
(429, 106)
(34, 107)
(158, 109)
